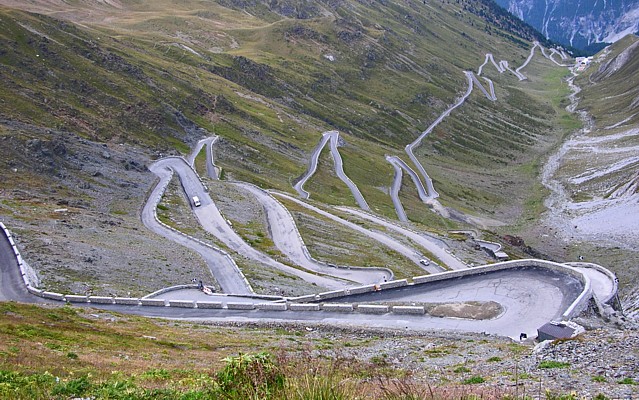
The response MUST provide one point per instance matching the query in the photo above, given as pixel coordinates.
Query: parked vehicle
(196, 201)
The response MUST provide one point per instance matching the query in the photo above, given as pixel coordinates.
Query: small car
(424, 261)
(196, 201)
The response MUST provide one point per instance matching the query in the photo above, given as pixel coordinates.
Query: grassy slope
(260, 80)
(377, 71)
(611, 99)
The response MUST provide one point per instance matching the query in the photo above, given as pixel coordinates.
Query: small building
(555, 330)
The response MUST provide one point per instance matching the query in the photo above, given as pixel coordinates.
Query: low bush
(550, 364)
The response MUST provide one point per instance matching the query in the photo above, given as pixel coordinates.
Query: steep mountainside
(93, 91)
(594, 175)
(578, 23)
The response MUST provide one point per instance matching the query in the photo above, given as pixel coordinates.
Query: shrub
(549, 364)
(627, 381)
(461, 369)
(494, 359)
(598, 378)
(249, 376)
(74, 387)
(474, 380)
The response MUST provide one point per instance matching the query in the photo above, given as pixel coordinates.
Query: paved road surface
(221, 266)
(399, 165)
(432, 193)
(287, 238)
(489, 57)
(211, 169)
(213, 222)
(394, 191)
(530, 297)
(386, 240)
(11, 284)
(333, 137)
(432, 246)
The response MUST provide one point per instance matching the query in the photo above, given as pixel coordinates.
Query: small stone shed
(555, 330)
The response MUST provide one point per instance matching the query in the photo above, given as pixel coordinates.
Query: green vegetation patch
(551, 364)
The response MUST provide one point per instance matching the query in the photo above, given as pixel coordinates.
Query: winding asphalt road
(333, 137)
(386, 240)
(221, 265)
(490, 57)
(213, 222)
(529, 296)
(399, 165)
(11, 284)
(432, 193)
(447, 258)
(287, 238)
(212, 170)
(490, 94)
(394, 191)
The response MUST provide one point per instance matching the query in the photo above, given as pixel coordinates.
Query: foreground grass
(63, 352)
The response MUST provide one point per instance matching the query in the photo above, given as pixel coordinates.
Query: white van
(196, 201)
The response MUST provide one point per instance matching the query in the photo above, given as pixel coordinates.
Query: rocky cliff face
(579, 23)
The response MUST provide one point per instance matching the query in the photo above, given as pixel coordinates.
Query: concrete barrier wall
(153, 302)
(337, 307)
(182, 303)
(209, 304)
(605, 271)
(393, 284)
(29, 276)
(304, 299)
(372, 309)
(101, 300)
(575, 308)
(361, 289)
(32, 290)
(129, 301)
(240, 306)
(580, 303)
(169, 289)
(72, 298)
(53, 296)
(331, 295)
(408, 310)
(272, 306)
(303, 307)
